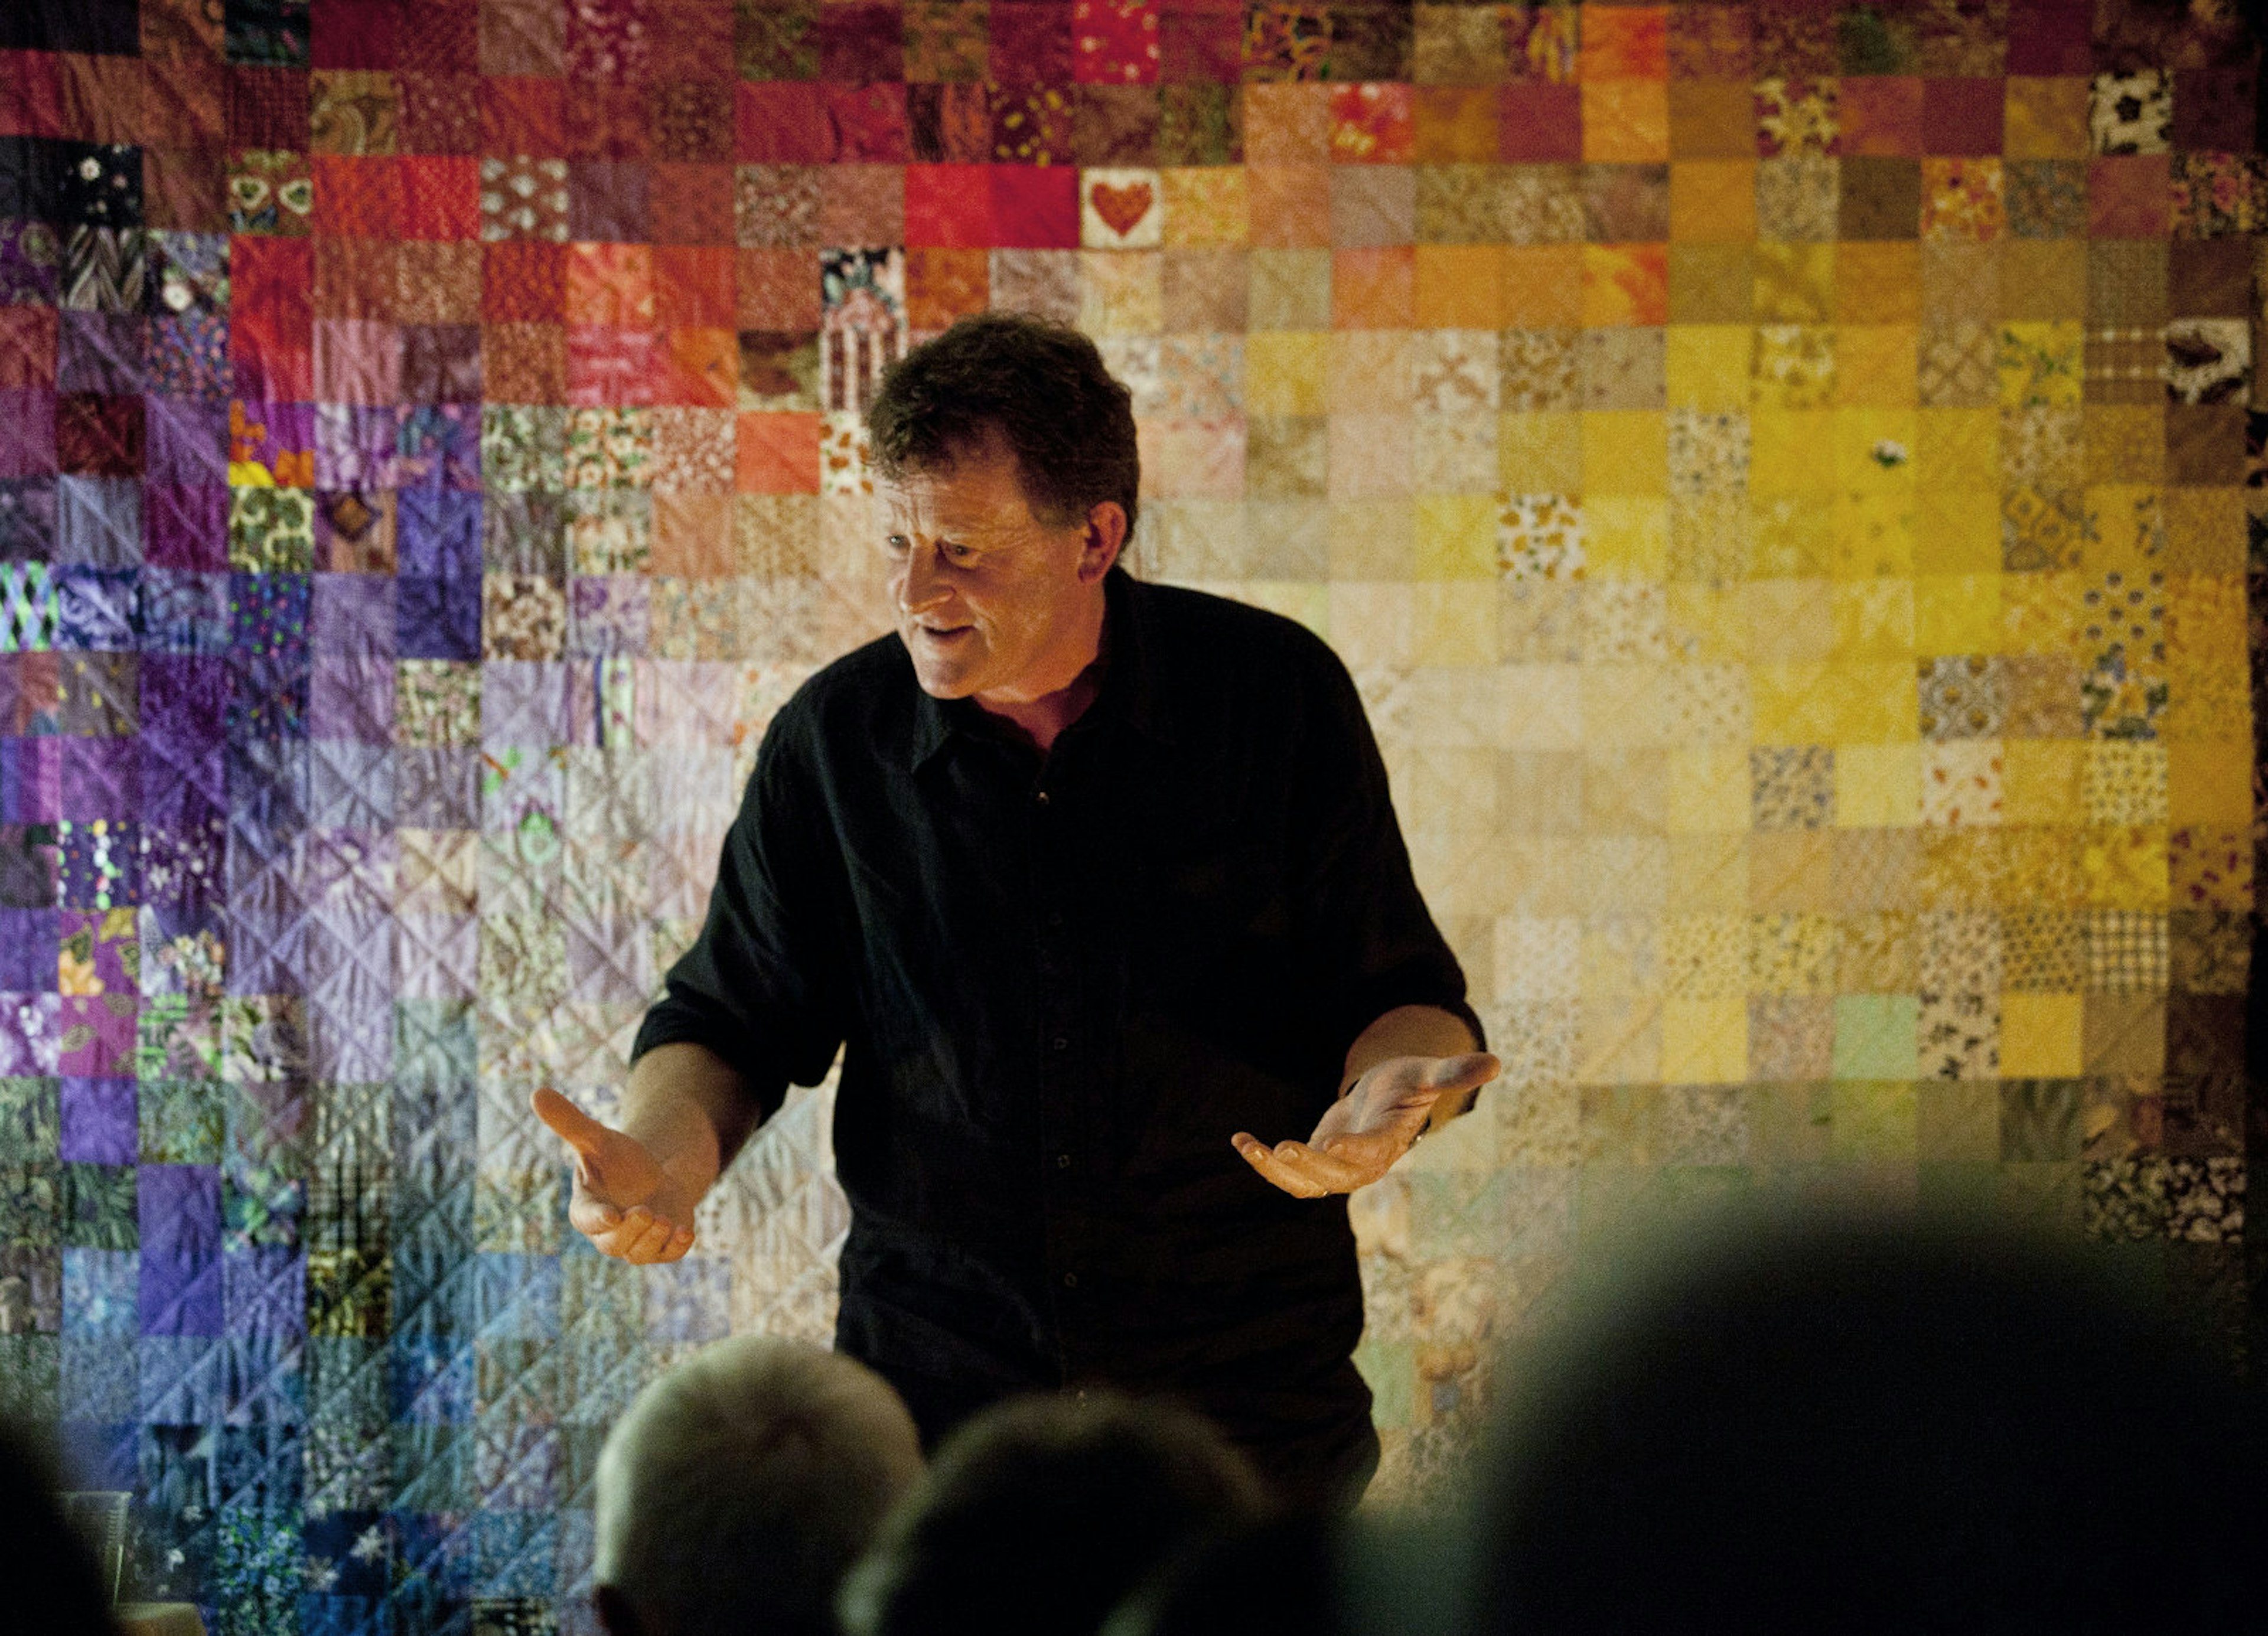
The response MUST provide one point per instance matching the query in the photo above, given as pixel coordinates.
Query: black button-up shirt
(1060, 984)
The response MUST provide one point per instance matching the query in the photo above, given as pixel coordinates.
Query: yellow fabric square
(1454, 626)
(1956, 613)
(1284, 370)
(1706, 366)
(1204, 206)
(1795, 368)
(1957, 531)
(1460, 286)
(1543, 285)
(1877, 787)
(2039, 364)
(1790, 620)
(2039, 613)
(2039, 780)
(1873, 445)
(2209, 782)
(2130, 529)
(1713, 200)
(2125, 866)
(1874, 619)
(1873, 532)
(1121, 292)
(2040, 1035)
(1878, 283)
(1709, 789)
(1624, 709)
(1793, 704)
(1704, 1042)
(1784, 449)
(1626, 120)
(1709, 622)
(1875, 366)
(1626, 536)
(1539, 453)
(1957, 448)
(1457, 537)
(1625, 452)
(2045, 119)
(1794, 283)
(1875, 703)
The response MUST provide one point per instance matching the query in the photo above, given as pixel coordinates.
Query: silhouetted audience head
(739, 1488)
(48, 1575)
(1040, 1515)
(1869, 1425)
(1278, 1576)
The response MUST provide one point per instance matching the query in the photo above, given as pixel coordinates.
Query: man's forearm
(1412, 1031)
(689, 1107)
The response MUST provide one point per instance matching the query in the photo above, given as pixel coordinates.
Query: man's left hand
(1372, 1124)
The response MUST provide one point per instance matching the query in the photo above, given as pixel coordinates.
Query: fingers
(569, 1123)
(1304, 1172)
(641, 1237)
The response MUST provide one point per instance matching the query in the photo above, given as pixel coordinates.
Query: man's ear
(1106, 539)
(615, 1613)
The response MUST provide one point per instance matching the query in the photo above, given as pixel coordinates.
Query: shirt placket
(1059, 1048)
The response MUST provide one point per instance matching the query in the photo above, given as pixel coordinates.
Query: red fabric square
(439, 37)
(102, 97)
(2126, 196)
(523, 280)
(776, 289)
(700, 368)
(692, 40)
(1963, 116)
(1537, 120)
(869, 121)
(610, 365)
(1036, 207)
(859, 42)
(1116, 41)
(781, 122)
(521, 113)
(267, 108)
(356, 33)
(2047, 38)
(948, 205)
(606, 121)
(271, 322)
(2214, 109)
(440, 113)
(1201, 45)
(440, 197)
(690, 203)
(185, 104)
(1031, 42)
(357, 198)
(693, 286)
(99, 435)
(1882, 116)
(777, 454)
(27, 348)
(31, 95)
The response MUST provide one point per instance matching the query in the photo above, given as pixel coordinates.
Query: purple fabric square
(184, 702)
(439, 445)
(187, 356)
(436, 787)
(438, 618)
(607, 613)
(27, 519)
(525, 704)
(354, 446)
(184, 613)
(183, 861)
(182, 785)
(28, 434)
(437, 533)
(31, 1033)
(101, 778)
(99, 521)
(268, 613)
(28, 945)
(350, 616)
(179, 1208)
(186, 526)
(97, 1043)
(98, 351)
(351, 698)
(97, 866)
(99, 1120)
(264, 1289)
(30, 781)
(96, 609)
(187, 441)
(266, 789)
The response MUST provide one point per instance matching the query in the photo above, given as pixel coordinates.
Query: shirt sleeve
(759, 986)
(1377, 943)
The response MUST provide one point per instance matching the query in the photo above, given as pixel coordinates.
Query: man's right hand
(626, 1201)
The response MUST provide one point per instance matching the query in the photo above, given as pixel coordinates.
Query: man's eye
(958, 553)
(896, 542)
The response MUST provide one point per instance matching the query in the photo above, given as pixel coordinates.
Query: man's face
(991, 602)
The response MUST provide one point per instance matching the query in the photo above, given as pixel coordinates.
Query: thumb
(569, 1123)
(1464, 1072)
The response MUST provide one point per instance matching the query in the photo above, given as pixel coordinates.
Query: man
(1096, 884)
(737, 1489)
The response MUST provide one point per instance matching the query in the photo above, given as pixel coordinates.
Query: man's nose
(922, 585)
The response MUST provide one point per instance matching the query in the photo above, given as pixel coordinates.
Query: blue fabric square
(27, 518)
(516, 1297)
(102, 1293)
(185, 611)
(97, 609)
(98, 523)
(267, 614)
(101, 1379)
(28, 946)
(438, 618)
(431, 1382)
(99, 1122)
(438, 532)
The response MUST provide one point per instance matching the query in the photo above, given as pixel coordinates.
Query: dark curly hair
(1041, 386)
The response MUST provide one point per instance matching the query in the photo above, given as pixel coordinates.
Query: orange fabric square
(1287, 124)
(522, 280)
(1373, 289)
(1625, 283)
(1460, 286)
(1713, 119)
(611, 284)
(1370, 124)
(1880, 115)
(524, 363)
(776, 289)
(27, 348)
(1626, 120)
(356, 198)
(1712, 199)
(185, 104)
(777, 454)
(1454, 124)
(1624, 42)
(692, 536)
(943, 283)
(522, 113)
(1289, 206)
(1543, 286)
(693, 285)
(101, 97)
(440, 196)
(1878, 283)
(691, 203)
(703, 364)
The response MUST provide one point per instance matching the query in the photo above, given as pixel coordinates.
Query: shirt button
(1063, 1161)
(1055, 922)
(1061, 1043)
(1071, 1280)
(1042, 798)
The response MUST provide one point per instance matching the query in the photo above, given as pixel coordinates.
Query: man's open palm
(625, 1202)
(1370, 1127)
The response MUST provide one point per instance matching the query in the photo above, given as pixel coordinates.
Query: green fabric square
(100, 1207)
(1874, 1036)
(1875, 1121)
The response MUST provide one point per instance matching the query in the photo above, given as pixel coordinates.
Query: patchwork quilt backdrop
(1782, 474)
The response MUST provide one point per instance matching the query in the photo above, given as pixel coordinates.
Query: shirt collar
(1129, 680)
